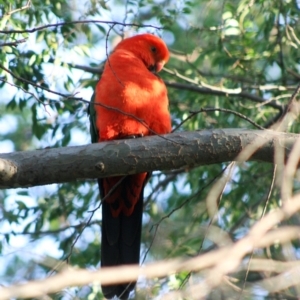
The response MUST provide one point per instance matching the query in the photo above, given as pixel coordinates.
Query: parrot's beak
(160, 65)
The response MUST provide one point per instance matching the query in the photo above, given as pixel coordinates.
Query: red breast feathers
(133, 99)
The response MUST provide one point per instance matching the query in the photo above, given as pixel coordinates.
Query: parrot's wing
(92, 113)
(121, 236)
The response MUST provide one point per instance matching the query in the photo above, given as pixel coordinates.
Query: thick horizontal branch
(121, 157)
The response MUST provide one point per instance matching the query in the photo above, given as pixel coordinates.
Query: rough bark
(173, 151)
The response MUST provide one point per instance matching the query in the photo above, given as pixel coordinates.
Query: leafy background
(51, 55)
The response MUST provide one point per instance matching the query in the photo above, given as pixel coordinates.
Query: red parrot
(130, 101)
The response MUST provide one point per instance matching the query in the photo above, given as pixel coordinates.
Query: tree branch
(77, 22)
(218, 262)
(123, 157)
(15, 43)
(225, 92)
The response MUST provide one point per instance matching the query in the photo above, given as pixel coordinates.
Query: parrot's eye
(153, 49)
(152, 69)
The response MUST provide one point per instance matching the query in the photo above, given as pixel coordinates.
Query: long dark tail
(121, 240)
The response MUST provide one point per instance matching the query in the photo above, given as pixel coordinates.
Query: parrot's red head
(149, 48)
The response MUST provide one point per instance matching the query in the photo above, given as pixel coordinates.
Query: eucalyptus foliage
(235, 54)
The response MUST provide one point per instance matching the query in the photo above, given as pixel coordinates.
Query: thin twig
(71, 97)
(221, 262)
(15, 43)
(193, 113)
(261, 217)
(92, 214)
(107, 56)
(54, 231)
(156, 225)
(77, 22)
(291, 111)
(27, 5)
(202, 90)
(25, 91)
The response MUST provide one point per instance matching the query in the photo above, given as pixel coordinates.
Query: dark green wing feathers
(92, 113)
